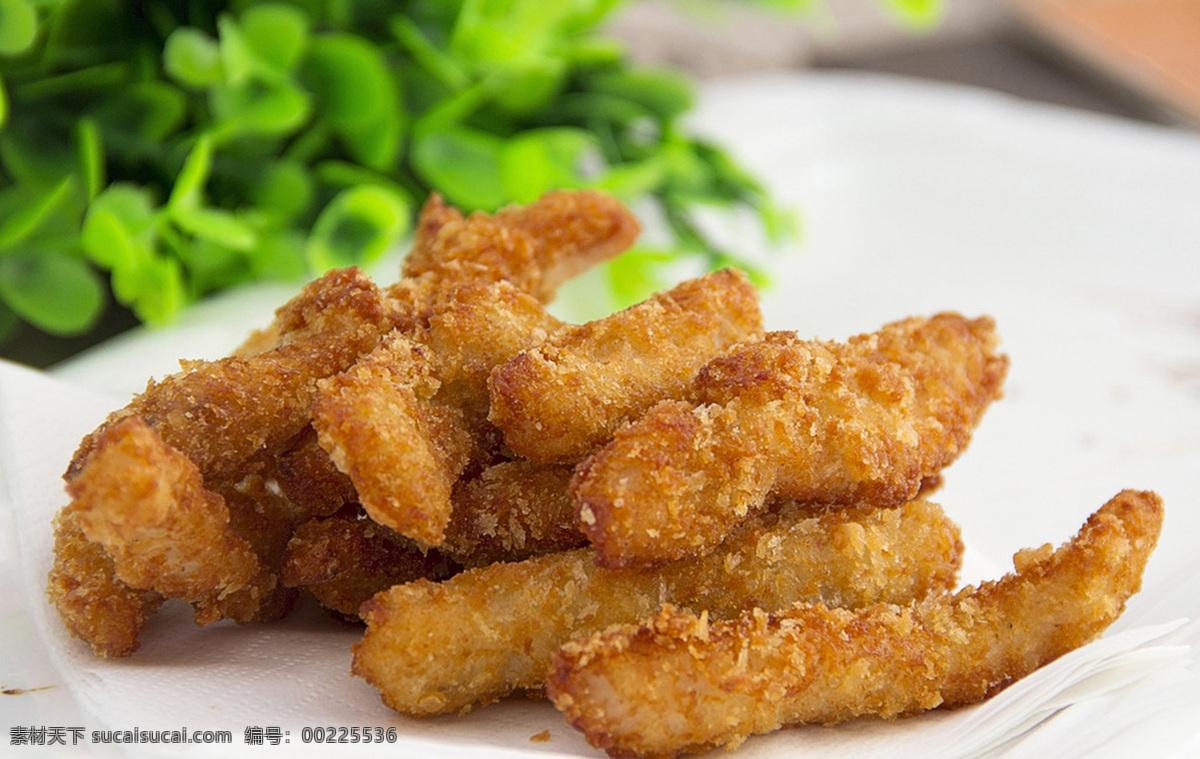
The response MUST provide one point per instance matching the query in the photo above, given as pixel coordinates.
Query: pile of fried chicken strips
(680, 528)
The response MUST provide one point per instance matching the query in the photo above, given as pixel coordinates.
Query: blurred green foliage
(154, 152)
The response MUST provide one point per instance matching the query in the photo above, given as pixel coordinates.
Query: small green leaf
(595, 52)
(280, 256)
(357, 227)
(350, 81)
(3, 103)
(27, 216)
(192, 58)
(118, 231)
(343, 175)
(357, 96)
(539, 160)
(628, 181)
(90, 149)
(212, 266)
(56, 292)
(18, 26)
(527, 88)
(428, 55)
(378, 146)
(758, 276)
(161, 294)
(237, 60)
(665, 93)
(216, 225)
(256, 108)
(188, 191)
(276, 34)
(284, 191)
(464, 165)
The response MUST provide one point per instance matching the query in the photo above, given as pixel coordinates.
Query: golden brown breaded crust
(867, 420)
(402, 449)
(262, 514)
(435, 214)
(682, 683)
(511, 511)
(308, 478)
(433, 648)
(220, 413)
(345, 559)
(92, 602)
(573, 230)
(146, 505)
(563, 398)
(535, 247)
(470, 330)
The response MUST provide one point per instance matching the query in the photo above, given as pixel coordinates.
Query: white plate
(1079, 234)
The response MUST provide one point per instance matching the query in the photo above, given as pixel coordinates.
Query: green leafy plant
(154, 152)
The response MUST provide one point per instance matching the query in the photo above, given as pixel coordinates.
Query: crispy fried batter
(535, 247)
(220, 413)
(869, 420)
(409, 420)
(308, 479)
(402, 449)
(146, 505)
(470, 330)
(511, 511)
(447, 647)
(94, 604)
(345, 559)
(683, 683)
(564, 397)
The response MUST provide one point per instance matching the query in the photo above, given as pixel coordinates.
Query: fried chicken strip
(867, 420)
(402, 449)
(535, 247)
(146, 504)
(434, 648)
(308, 479)
(221, 413)
(94, 604)
(682, 683)
(511, 511)
(408, 421)
(344, 559)
(472, 329)
(563, 398)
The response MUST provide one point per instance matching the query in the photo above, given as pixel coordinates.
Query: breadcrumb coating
(308, 478)
(683, 682)
(403, 450)
(563, 398)
(91, 600)
(470, 330)
(344, 559)
(866, 420)
(409, 420)
(146, 505)
(535, 247)
(434, 648)
(511, 511)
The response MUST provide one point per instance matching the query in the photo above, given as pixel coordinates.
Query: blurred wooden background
(1096, 59)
